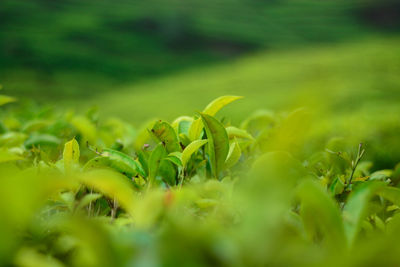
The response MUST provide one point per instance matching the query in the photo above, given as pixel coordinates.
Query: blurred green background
(133, 57)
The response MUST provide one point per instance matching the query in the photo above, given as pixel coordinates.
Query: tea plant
(77, 190)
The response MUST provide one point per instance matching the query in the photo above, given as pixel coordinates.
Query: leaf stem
(181, 177)
(114, 209)
(354, 164)
(90, 204)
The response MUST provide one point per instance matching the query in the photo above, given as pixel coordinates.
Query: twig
(354, 164)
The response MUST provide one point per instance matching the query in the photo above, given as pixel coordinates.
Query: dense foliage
(80, 190)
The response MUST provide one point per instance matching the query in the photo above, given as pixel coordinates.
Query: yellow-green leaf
(164, 132)
(233, 154)
(42, 140)
(123, 163)
(190, 149)
(6, 156)
(111, 184)
(71, 154)
(357, 207)
(211, 109)
(85, 127)
(175, 157)
(390, 193)
(195, 129)
(87, 199)
(4, 99)
(167, 171)
(154, 162)
(239, 133)
(315, 200)
(34, 125)
(182, 120)
(218, 143)
(219, 103)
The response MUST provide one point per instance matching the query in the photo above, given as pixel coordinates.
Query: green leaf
(195, 129)
(6, 156)
(12, 139)
(184, 139)
(154, 162)
(390, 193)
(167, 172)
(71, 154)
(357, 207)
(238, 133)
(42, 140)
(176, 158)
(190, 149)
(233, 154)
(211, 109)
(34, 125)
(3, 128)
(97, 162)
(164, 132)
(112, 185)
(218, 143)
(219, 103)
(87, 199)
(320, 214)
(143, 159)
(85, 127)
(27, 256)
(337, 186)
(182, 124)
(381, 175)
(4, 99)
(144, 136)
(123, 163)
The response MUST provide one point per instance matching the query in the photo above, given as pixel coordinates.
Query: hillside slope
(346, 77)
(72, 48)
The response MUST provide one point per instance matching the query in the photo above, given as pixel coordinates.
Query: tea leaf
(97, 162)
(175, 157)
(219, 103)
(154, 162)
(85, 127)
(211, 109)
(167, 171)
(42, 140)
(6, 156)
(111, 184)
(218, 143)
(195, 129)
(71, 154)
(356, 208)
(190, 149)
(6, 99)
(233, 154)
(182, 124)
(123, 163)
(390, 193)
(164, 132)
(315, 200)
(87, 199)
(238, 133)
(34, 125)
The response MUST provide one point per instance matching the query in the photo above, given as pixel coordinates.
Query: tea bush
(80, 190)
